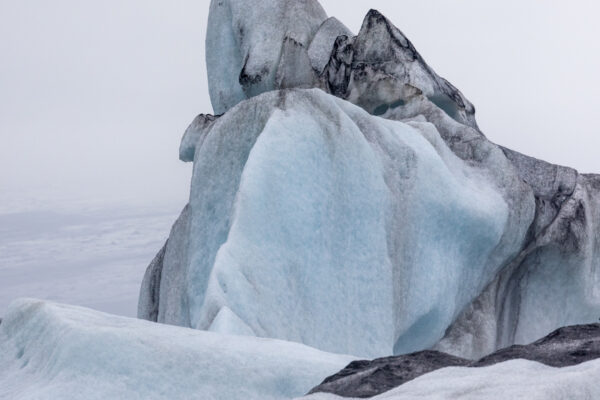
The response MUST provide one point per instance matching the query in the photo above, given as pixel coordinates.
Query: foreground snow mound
(51, 351)
(515, 380)
(312, 221)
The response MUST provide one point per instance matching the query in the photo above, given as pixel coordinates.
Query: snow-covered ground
(514, 380)
(52, 351)
(88, 253)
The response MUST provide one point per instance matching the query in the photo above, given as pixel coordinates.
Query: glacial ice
(319, 51)
(312, 221)
(194, 134)
(565, 347)
(53, 351)
(555, 279)
(515, 380)
(380, 68)
(344, 198)
(255, 47)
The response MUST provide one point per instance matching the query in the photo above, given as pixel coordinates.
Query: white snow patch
(51, 351)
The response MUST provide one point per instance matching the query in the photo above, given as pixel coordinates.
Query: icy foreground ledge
(565, 347)
(52, 351)
(518, 379)
(378, 222)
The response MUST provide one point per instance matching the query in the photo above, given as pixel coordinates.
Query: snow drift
(53, 351)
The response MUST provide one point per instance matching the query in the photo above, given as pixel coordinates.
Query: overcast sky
(95, 95)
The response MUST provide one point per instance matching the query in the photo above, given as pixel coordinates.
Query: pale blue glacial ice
(312, 221)
(251, 49)
(474, 252)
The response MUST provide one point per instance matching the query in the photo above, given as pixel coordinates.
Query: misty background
(95, 96)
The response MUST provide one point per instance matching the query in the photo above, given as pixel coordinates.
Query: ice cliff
(345, 198)
(516, 379)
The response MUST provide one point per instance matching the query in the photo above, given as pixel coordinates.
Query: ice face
(311, 220)
(257, 47)
(554, 280)
(51, 351)
(280, 44)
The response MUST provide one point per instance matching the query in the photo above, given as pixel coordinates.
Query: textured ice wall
(51, 351)
(554, 281)
(475, 251)
(312, 221)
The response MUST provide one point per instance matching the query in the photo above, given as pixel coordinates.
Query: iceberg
(343, 201)
(344, 197)
(565, 347)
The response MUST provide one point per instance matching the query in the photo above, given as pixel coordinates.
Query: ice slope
(515, 380)
(52, 351)
(312, 221)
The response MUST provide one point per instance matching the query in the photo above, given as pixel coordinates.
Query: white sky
(95, 95)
